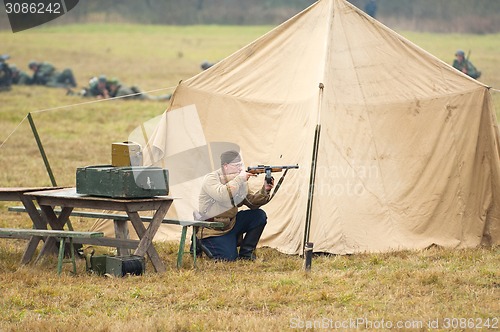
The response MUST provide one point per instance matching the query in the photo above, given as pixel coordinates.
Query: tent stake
(308, 253)
(42, 151)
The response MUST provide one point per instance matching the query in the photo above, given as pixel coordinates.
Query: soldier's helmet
(32, 64)
(102, 79)
(460, 52)
(205, 65)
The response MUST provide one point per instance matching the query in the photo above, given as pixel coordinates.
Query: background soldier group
(102, 88)
(44, 73)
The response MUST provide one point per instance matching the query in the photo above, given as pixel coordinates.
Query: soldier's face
(234, 168)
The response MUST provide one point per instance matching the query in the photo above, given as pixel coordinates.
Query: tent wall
(407, 176)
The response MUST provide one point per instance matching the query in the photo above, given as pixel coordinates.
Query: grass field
(412, 288)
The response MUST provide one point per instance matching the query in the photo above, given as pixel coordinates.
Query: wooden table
(68, 199)
(13, 194)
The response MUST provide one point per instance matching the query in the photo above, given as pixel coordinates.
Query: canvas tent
(407, 155)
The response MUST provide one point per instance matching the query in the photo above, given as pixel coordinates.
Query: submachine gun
(269, 170)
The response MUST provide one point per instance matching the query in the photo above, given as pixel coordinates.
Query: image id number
(470, 323)
(33, 8)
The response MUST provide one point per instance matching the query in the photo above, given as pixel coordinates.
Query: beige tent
(408, 152)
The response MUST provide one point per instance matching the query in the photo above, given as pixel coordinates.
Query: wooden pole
(42, 151)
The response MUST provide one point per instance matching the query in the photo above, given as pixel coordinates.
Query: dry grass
(272, 294)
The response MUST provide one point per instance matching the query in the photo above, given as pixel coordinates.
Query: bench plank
(123, 244)
(13, 232)
(124, 217)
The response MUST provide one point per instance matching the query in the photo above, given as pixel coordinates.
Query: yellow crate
(126, 154)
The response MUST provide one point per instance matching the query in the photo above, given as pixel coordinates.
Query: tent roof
(331, 42)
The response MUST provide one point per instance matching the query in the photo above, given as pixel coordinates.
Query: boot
(249, 243)
(200, 247)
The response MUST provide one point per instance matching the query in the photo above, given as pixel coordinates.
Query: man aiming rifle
(223, 192)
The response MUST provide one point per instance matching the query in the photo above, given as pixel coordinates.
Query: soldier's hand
(269, 186)
(249, 175)
(245, 175)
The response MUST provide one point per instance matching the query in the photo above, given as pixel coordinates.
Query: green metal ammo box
(122, 182)
(122, 265)
(98, 264)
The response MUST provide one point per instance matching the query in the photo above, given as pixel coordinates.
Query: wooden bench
(61, 234)
(123, 218)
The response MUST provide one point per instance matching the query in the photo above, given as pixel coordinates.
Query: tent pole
(312, 177)
(42, 151)
(311, 184)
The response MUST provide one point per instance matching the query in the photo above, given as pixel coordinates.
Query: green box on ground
(98, 264)
(122, 182)
(122, 265)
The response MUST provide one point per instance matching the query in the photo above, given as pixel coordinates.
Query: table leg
(61, 255)
(38, 223)
(72, 254)
(60, 261)
(121, 232)
(146, 235)
(193, 239)
(35, 216)
(30, 249)
(55, 223)
(180, 253)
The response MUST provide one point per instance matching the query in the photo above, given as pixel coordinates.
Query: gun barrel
(263, 169)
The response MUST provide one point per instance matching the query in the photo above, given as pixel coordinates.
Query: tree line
(461, 16)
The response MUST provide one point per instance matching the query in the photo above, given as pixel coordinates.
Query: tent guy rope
(78, 104)
(5, 141)
(101, 100)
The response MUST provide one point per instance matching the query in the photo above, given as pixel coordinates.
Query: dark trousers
(224, 247)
